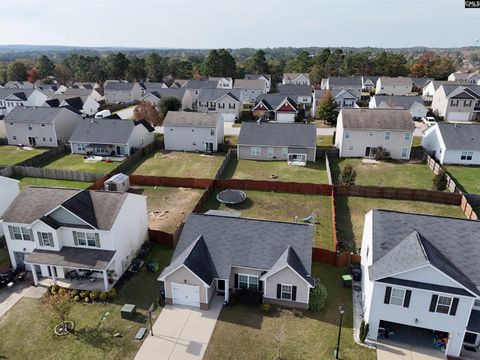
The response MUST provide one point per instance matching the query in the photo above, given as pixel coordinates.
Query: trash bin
(357, 274)
(347, 281)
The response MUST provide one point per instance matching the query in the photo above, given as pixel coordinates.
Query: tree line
(221, 62)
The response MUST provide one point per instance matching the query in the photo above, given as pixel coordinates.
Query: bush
(84, 294)
(266, 308)
(246, 296)
(112, 293)
(363, 331)
(76, 298)
(440, 181)
(381, 154)
(94, 295)
(348, 175)
(62, 291)
(86, 299)
(74, 292)
(54, 289)
(318, 297)
(102, 296)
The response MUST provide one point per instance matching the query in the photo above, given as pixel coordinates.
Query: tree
(115, 66)
(169, 103)
(3, 76)
(136, 69)
(316, 74)
(63, 74)
(348, 175)
(318, 297)
(363, 331)
(303, 62)
(219, 63)
(85, 68)
(155, 67)
(148, 111)
(59, 305)
(17, 71)
(381, 154)
(326, 108)
(440, 181)
(32, 75)
(257, 63)
(180, 68)
(45, 67)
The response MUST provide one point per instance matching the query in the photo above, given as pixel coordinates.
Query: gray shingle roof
(345, 80)
(398, 101)
(460, 136)
(190, 118)
(293, 76)
(118, 86)
(162, 92)
(420, 82)
(345, 94)
(249, 84)
(37, 115)
(200, 84)
(242, 242)
(449, 244)
(6, 92)
(297, 90)
(278, 134)
(215, 94)
(386, 119)
(396, 80)
(290, 258)
(274, 100)
(257, 76)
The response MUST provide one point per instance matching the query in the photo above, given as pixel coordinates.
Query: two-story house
(301, 94)
(11, 98)
(275, 107)
(222, 82)
(265, 77)
(296, 79)
(472, 78)
(60, 234)
(40, 126)
(420, 280)
(343, 99)
(251, 89)
(353, 84)
(229, 103)
(121, 92)
(394, 86)
(414, 104)
(457, 102)
(8, 191)
(361, 131)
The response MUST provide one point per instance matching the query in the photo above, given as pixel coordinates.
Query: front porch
(79, 284)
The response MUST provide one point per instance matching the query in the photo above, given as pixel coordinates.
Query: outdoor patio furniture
(128, 311)
(136, 265)
(153, 266)
(347, 281)
(72, 274)
(140, 333)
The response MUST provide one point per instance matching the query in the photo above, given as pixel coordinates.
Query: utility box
(119, 182)
(128, 311)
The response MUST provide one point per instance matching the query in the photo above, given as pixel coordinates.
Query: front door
(370, 152)
(32, 141)
(221, 285)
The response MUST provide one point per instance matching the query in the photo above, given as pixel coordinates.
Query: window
(370, 133)
(443, 304)
(20, 233)
(212, 132)
(14, 137)
(270, 152)
(466, 155)
(44, 139)
(45, 239)
(347, 134)
(231, 106)
(284, 153)
(255, 151)
(29, 126)
(350, 147)
(86, 239)
(387, 135)
(286, 292)
(404, 152)
(397, 296)
(470, 338)
(467, 104)
(454, 103)
(247, 282)
(408, 136)
(221, 105)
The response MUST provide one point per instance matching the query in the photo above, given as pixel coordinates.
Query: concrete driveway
(9, 297)
(399, 352)
(181, 333)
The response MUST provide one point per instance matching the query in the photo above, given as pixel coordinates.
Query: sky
(240, 23)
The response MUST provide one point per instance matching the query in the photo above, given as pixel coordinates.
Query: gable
(286, 106)
(260, 106)
(63, 216)
(428, 275)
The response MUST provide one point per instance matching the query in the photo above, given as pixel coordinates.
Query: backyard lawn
(466, 177)
(168, 206)
(4, 257)
(27, 329)
(325, 141)
(25, 181)
(244, 332)
(180, 164)
(263, 170)
(76, 162)
(285, 207)
(11, 155)
(350, 215)
(414, 175)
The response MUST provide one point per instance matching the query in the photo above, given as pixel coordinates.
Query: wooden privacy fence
(226, 160)
(160, 237)
(467, 209)
(340, 259)
(170, 181)
(334, 222)
(276, 186)
(59, 174)
(436, 168)
(41, 159)
(6, 172)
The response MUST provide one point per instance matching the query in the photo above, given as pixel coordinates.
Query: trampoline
(231, 197)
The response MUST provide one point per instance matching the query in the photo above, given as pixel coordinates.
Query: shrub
(266, 308)
(94, 295)
(74, 292)
(62, 291)
(318, 297)
(440, 181)
(348, 175)
(246, 296)
(112, 293)
(363, 331)
(76, 298)
(54, 289)
(86, 299)
(84, 294)
(381, 154)
(102, 296)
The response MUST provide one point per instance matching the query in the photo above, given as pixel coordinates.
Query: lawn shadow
(245, 205)
(243, 315)
(230, 169)
(101, 338)
(346, 236)
(335, 169)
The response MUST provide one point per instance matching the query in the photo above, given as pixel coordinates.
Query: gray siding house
(219, 255)
(226, 102)
(294, 143)
(40, 126)
(120, 92)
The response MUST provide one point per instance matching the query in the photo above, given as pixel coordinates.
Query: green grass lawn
(231, 139)
(325, 141)
(4, 257)
(417, 142)
(27, 328)
(263, 170)
(169, 206)
(414, 175)
(11, 155)
(466, 177)
(243, 332)
(25, 181)
(180, 164)
(285, 207)
(76, 162)
(350, 215)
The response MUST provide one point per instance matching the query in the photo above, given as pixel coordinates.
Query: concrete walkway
(181, 333)
(9, 297)
(394, 352)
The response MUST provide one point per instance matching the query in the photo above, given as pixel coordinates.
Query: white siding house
(394, 86)
(8, 191)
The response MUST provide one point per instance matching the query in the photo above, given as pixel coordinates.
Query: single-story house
(414, 104)
(361, 131)
(224, 254)
(394, 86)
(453, 143)
(110, 137)
(295, 143)
(193, 131)
(275, 107)
(41, 126)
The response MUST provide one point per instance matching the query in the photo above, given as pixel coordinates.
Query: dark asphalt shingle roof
(272, 101)
(385, 119)
(345, 80)
(385, 80)
(22, 93)
(215, 94)
(297, 90)
(37, 115)
(241, 242)
(420, 82)
(449, 244)
(200, 84)
(278, 134)
(290, 258)
(118, 86)
(460, 136)
(398, 101)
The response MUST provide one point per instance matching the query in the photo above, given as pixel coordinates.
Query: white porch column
(227, 291)
(105, 280)
(34, 274)
(54, 278)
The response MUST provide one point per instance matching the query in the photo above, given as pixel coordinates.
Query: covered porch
(72, 267)
(106, 150)
(471, 341)
(297, 156)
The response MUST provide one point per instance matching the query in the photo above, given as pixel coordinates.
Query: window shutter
(40, 241)
(406, 301)
(97, 240)
(260, 285)
(75, 239)
(453, 309)
(433, 303)
(279, 291)
(50, 238)
(388, 292)
(31, 235)
(294, 293)
(235, 281)
(11, 232)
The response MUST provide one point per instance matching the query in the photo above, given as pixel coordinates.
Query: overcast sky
(239, 23)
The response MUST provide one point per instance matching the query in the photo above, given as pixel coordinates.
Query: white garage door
(285, 117)
(458, 116)
(186, 295)
(229, 117)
